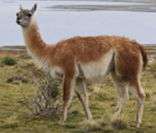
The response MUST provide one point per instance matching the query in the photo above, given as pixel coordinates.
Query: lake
(63, 19)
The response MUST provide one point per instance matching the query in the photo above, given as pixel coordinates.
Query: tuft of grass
(8, 61)
(90, 125)
(119, 124)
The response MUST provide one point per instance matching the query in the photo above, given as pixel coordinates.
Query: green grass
(8, 61)
(15, 118)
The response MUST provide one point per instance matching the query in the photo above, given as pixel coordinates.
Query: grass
(8, 61)
(15, 118)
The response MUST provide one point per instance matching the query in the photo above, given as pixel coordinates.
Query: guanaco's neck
(35, 45)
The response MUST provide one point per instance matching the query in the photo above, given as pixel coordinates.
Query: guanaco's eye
(17, 14)
(29, 14)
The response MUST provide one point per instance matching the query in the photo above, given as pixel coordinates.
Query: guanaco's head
(24, 16)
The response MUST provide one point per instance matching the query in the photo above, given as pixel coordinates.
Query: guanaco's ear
(21, 8)
(34, 8)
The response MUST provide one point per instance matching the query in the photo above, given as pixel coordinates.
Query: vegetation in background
(8, 61)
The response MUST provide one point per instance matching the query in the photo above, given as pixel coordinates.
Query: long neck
(35, 45)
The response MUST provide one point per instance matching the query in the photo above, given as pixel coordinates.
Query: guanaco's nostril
(17, 20)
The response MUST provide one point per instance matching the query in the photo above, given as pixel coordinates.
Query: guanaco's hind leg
(135, 87)
(138, 91)
(83, 97)
(123, 96)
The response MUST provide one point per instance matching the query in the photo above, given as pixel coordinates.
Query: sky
(58, 24)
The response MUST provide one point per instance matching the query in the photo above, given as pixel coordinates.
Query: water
(57, 24)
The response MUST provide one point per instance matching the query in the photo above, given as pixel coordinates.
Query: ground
(14, 116)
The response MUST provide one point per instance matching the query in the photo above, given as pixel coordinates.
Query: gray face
(24, 16)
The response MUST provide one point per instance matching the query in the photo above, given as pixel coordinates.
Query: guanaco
(92, 56)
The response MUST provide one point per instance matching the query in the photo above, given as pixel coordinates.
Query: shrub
(119, 124)
(47, 101)
(8, 61)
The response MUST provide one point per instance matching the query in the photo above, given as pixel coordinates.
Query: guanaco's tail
(143, 53)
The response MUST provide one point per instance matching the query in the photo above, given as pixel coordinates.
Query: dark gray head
(24, 16)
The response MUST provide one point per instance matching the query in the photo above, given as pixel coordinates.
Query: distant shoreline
(80, 7)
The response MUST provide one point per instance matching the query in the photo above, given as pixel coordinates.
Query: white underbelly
(98, 68)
